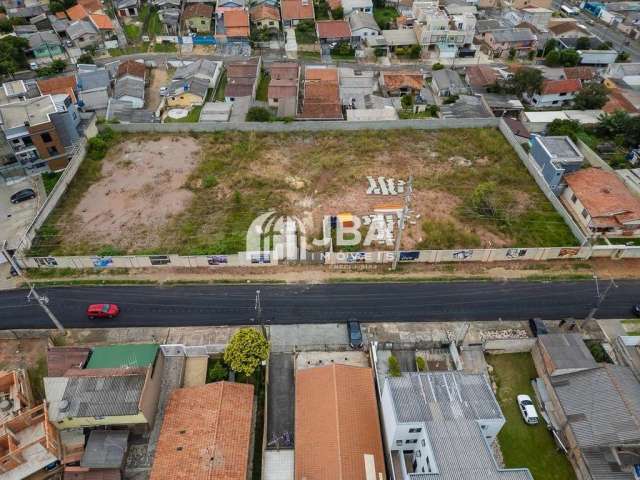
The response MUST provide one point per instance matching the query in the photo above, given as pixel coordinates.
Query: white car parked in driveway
(527, 409)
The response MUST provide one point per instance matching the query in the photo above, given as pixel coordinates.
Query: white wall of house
(364, 33)
(550, 100)
(365, 6)
(135, 101)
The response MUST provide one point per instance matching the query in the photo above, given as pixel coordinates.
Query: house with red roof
(333, 31)
(555, 93)
(293, 11)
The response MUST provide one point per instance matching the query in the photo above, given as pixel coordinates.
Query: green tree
(259, 114)
(337, 13)
(622, 57)
(406, 101)
(394, 366)
(526, 80)
(583, 43)
(217, 371)
(608, 45)
(246, 350)
(56, 7)
(562, 58)
(592, 97)
(549, 46)
(86, 58)
(486, 201)
(512, 53)
(610, 125)
(561, 128)
(421, 364)
(531, 55)
(12, 54)
(414, 51)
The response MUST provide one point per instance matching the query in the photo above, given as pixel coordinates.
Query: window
(424, 444)
(555, 102)
(202, 22)
(418, 454)
(415, 430)
(574, 198)
(585, 214)
(398, 442)
(563, 94)
(52, 151)
(408, 442)
(46, 137)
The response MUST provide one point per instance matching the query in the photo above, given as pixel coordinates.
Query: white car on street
(527, 409)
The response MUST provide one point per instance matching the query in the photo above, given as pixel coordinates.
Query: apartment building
(440, 32)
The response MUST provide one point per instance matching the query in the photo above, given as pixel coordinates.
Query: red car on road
(103, 310)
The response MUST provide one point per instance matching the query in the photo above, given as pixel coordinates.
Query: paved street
(289, 304)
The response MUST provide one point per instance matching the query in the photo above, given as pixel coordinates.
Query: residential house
(119, 385)
(170, 18)
(466, 106)
(357, 87)
(283, 88)
(622, 99)
(399, 83)
(103, 24)
(265, 16)
(501, 43)
(445, 35)
(41, 22)
(568, 29)
(24, 30)
(536, 16)
(602, 442)
(503, 105)
(447, 83)
(61, 359)
(216, 112)
(223, 5)
(94, 88)
(333, 31)
(242, 79)
(83, 34)
(191, 83)
(236, 24)
(77, 12)
(197, 17)
(520, 4)
(294, 11)
(104, 454)
(208, 70)
(46, 46)
(562, 353)
(321, 94)
(479, 77)
(627, 73)
(349, 6)
(601, 203)
(16, 394)
(130, 83)
(41, 131)
(206, 433)
(59, 85)
(556, 157)
(399, 38)
(14, 91)
(127, 8)
(336, 437)
(555, 93)
(124, 112)
(584, 74)
(363, 26)
(443, 424)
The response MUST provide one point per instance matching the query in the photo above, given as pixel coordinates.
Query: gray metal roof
(359, 19)
(601, 404)
(129, 87)
(105, 449)
(43, 38)
(513, 35)
(569, 345)
(200, 68)
(446, 78)
(450, 404)
(197, 86)
(94, 396)
(79, 28)
(88, 80)
(124, 112)
(467, 106)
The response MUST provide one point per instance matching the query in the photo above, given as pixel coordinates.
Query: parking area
(15, 218)
(280, 406)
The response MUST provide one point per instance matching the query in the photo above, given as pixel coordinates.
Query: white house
(436, 29)
(443, 423)
(555, 93)
(365, 6)
(363, 26)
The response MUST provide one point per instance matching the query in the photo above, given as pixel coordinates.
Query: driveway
(281, 397)
(14, 219)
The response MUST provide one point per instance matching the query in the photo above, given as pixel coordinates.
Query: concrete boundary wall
(592, 157)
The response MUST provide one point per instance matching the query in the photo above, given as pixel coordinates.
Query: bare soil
(159, 78)
(142, 186)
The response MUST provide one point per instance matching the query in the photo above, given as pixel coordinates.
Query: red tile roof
(284, 80)
(51, 86)
(336, 424)
(206, 433)
(333, 29)
(394, 81)
(77, 12)
(481, 75)
(61, 359)
(321, 94)
(101, 22)
(605, 197)
(570, 85)
(581, 73)
(264, 11)
(198, 10)
(131, 67)
(297, 10)
(236, 22)
(91, 5)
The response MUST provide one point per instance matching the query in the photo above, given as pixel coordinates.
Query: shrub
(406, 101)
(394, 367)
(379, 52)
(338, 13)
(259, 114)
(451, 99)
(217, 371)
(420, 364)
(437, 66)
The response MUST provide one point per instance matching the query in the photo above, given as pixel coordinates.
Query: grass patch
(306, 32)
(36, 373)
(443, 234)
(384, 16)
(132, 32)
(154, 24)
(523, 445)
(164, 47)
(309, 55)
(263, 87)
(49, 179)
(130, 50)
(80, 282)
(222, 85)
(192, 117)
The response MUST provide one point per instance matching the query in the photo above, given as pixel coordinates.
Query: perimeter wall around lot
(585, 251)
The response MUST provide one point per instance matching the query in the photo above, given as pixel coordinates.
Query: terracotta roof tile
(333, 29)
(61, 359)
(561, 86)
(336, 423)
(131, 67)
(198, 10)
(264, 11)
(91, 5)
(321, 94)
(77, 12)
(101, 22)
(324, 74)
(395, 80)
(618, 101)
(58, 85)
(236, 23)
(481, 75)
(284, 80)
(205, 434)
(605, 196)
(581, 73)
(297, 10)
(566, 27)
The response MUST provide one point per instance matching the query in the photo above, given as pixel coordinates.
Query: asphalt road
(288, 304)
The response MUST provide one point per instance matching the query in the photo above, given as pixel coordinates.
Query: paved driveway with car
(15, 218)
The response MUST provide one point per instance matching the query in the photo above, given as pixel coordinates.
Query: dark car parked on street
(538, 327)
(23, 195)
(355, 334)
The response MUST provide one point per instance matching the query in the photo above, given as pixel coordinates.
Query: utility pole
(258, 308)
(600, 298)
(401, 220)
(41, 299)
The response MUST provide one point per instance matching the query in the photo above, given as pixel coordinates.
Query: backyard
(470, 190)
(384, 16)
(522, 445)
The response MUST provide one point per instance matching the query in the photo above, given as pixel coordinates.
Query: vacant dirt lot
(142, 186)
(198, 194)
